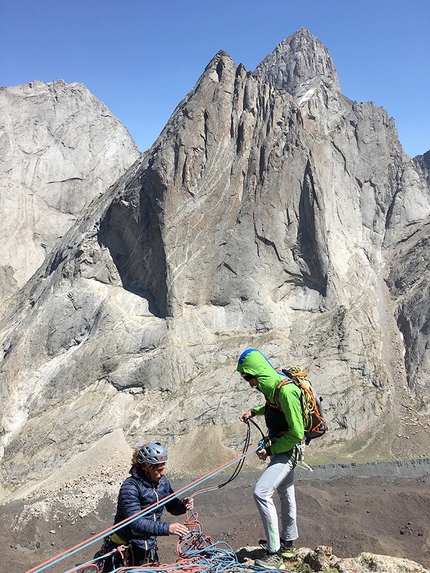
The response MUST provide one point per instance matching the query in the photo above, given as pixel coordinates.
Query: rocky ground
(383, 515)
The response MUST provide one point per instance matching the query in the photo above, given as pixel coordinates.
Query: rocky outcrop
(258, 218)
(322, 559)
(300, 64)
(60, 148)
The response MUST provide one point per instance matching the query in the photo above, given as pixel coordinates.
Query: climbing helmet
(153, 453)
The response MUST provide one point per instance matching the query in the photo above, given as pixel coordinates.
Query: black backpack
(313, 416)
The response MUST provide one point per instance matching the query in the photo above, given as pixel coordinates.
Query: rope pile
(197, 554)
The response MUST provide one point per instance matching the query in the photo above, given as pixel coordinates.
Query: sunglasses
(247, 377)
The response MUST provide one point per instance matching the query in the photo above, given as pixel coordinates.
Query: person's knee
(262, 494)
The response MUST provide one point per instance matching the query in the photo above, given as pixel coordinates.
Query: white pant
(278, 475)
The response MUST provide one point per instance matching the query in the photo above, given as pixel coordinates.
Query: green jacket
(254, 362)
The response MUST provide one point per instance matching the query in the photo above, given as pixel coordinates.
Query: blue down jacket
(136, 493)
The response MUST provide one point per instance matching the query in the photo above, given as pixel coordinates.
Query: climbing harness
(299, 449)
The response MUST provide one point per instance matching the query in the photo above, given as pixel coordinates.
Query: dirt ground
(350, 514)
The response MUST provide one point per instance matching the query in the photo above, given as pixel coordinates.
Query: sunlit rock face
(300, 65)
(60, 148)
(264, 215)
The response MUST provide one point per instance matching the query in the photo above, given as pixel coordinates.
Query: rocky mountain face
(60, 148)
(300, 65)
(272, 212)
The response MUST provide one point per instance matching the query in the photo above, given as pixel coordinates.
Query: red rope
(195, 539)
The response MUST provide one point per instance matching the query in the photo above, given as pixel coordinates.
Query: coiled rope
(241, 459)
(197, 554)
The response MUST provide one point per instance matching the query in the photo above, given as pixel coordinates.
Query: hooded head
(253, 362)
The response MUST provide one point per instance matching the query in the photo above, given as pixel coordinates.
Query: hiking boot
(287, 548)
(271, 561)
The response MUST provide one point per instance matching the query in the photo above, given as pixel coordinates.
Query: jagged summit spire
(298, 64)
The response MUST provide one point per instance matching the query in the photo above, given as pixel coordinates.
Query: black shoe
(287, 547)
(271, 561)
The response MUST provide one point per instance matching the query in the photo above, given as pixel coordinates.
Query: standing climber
(146, 486)
(285, 426)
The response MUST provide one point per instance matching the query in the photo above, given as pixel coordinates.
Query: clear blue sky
(141, 58)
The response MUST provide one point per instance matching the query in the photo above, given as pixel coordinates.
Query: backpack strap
(278, 389)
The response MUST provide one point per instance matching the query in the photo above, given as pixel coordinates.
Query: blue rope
(213, 559)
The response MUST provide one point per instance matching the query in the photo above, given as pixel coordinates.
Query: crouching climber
(147, 485)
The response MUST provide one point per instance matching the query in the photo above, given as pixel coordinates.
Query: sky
(141, 58)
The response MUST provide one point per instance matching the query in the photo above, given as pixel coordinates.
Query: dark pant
(141, 556)
(131, 556)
